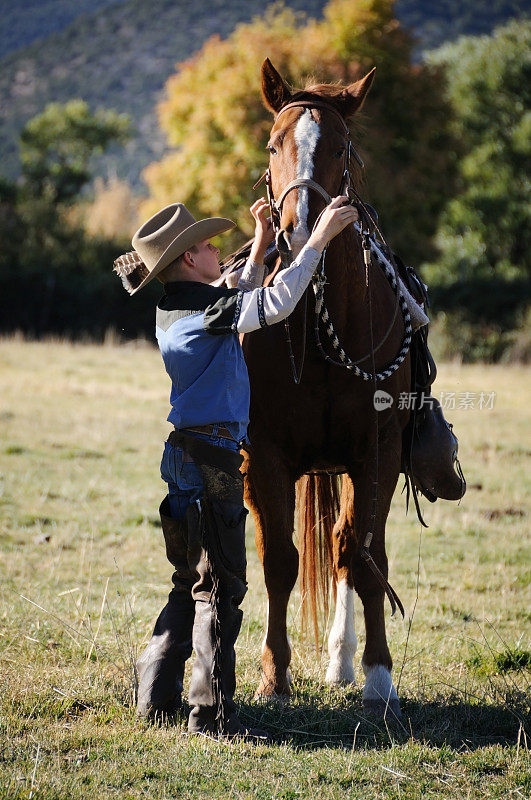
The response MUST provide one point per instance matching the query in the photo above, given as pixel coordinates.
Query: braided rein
(321, 313)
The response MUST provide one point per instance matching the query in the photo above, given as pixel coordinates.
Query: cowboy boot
(217, 547)
(160, 668)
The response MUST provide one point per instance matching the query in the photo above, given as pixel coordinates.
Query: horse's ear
(275, 91)
(353, 96)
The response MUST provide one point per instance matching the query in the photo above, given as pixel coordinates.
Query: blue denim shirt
(205, 361)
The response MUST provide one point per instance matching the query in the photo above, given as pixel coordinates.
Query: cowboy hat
(162, 239)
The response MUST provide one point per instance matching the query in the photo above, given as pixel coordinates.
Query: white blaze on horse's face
(306, 136)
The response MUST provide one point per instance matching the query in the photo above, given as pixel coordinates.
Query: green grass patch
(500, 662)
(513, 659)
(14, 450)
(83, 575)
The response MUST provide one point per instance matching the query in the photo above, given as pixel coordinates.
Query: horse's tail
(318, 502)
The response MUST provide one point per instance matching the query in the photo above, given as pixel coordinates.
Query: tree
(57, 145)
(485, 230)
(214, 117)
(53, 277)
(113, 211)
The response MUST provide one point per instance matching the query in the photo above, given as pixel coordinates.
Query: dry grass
(84, 575)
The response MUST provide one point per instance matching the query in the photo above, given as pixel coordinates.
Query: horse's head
(308, 143)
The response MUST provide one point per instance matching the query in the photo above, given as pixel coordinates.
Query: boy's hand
(336, 216)
(264, 233)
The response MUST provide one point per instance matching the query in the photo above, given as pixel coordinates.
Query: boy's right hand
(264, 233)
(336, 216)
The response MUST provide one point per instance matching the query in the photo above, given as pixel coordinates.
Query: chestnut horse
(327, 423)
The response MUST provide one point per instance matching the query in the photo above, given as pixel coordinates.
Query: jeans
(184, 479)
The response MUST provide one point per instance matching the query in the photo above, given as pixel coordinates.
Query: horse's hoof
(389, 711)
(268, 691)
(273, 697)
(340, 677)
(275, 690)
(268, 694)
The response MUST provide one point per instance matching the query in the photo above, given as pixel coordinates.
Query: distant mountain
(121, 54)
(438, 21)
(22, 22)
(119, 57)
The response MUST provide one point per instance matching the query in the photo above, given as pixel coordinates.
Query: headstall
(365, 228)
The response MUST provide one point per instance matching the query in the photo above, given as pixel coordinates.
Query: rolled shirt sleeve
(252, 276)
(248, 311)
(246, 278)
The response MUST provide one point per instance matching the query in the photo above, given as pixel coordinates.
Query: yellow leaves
(214, 115)
(365, 28)
(113, 212)
(213, 112)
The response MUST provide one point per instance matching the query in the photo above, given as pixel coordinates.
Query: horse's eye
(271, 149)
(339, 153)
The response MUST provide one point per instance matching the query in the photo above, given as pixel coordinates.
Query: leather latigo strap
(392, 596)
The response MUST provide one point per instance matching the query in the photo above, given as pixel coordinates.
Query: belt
(209, 430)
(203, 452)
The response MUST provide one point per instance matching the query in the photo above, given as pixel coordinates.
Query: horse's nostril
(284, 241)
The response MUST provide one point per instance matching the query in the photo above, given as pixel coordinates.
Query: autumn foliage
(214, 117)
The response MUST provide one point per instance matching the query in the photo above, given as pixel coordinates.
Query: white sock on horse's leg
(342, 641)
(379, 693)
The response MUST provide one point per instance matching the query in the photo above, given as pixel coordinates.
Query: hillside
(118, 58)
(25, 21)
(120, 55)
(445, 20)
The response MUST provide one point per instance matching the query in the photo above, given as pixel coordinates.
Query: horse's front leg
(270, 493)
(379, 693)
(342, 641)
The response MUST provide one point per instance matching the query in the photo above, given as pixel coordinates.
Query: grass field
(83, 576)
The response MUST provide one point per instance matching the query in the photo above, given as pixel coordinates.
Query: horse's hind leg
(342, 641)
(379, 694)
(270, 493)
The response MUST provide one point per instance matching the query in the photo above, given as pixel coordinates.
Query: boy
(203, 517)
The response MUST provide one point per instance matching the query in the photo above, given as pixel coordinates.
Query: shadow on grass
(313, 722)
(318, 716)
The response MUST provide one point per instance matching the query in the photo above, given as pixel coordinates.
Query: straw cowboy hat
(162, 239)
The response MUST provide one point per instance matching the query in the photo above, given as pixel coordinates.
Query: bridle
(366, 226)
(309, 183)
